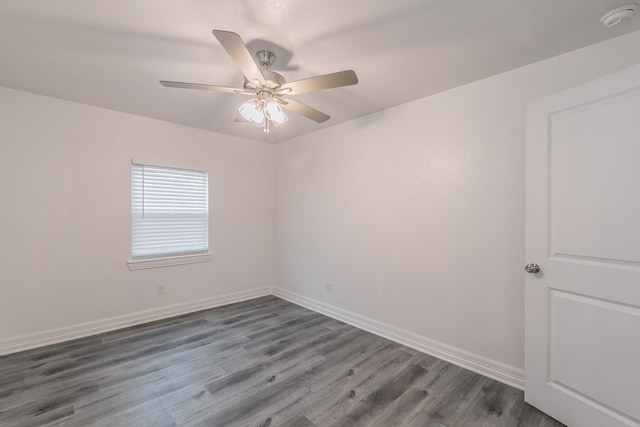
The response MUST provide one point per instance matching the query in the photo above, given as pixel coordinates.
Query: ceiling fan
(268, 88)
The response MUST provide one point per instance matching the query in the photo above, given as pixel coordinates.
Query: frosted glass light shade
(274, 113)
(249, 109)
(258, 118)
(260, 112)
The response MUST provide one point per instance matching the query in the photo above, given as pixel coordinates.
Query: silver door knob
(532, 268)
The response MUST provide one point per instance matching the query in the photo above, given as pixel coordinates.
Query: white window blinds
(170, 211)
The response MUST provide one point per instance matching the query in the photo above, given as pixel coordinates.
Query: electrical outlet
(161, 289)
(327, 287)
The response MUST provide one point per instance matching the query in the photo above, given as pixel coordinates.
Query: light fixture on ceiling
(267, 88)
(263, 111)
(615, 16)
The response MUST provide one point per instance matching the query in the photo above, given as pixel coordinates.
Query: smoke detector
(615, 16)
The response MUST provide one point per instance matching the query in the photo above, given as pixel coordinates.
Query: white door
(582, 322)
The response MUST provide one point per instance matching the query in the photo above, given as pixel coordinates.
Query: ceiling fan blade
(240, 119)
(327, 81)
(237, 50)
(305, 110)
(182, 85)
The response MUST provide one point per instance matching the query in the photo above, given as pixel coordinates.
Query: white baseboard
(498, 371)
(54, 336)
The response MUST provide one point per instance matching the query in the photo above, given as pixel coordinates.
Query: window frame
(169, 259)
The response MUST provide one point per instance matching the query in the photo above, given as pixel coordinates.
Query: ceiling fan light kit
(262, 113)
(268, 88)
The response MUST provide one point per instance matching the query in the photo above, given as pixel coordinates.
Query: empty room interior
(336, 213)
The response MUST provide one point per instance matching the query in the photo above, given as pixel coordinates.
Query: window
(170, 214)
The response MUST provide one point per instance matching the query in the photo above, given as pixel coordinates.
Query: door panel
(594, 151)
(582, 311)
(585, 333)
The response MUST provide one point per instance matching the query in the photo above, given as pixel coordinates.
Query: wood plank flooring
(264, 362)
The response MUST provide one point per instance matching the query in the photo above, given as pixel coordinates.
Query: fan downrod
(265, 58)
(273, 80)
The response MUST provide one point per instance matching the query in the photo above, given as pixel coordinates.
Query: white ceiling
(111, 53)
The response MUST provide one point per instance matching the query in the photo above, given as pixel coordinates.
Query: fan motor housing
(274, 80)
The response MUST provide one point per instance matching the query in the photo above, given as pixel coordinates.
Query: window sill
(169, 261)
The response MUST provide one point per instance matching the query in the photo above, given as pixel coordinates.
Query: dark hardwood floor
(264, 362)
